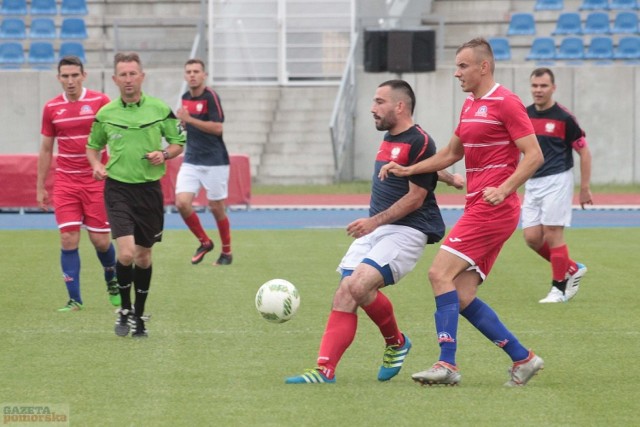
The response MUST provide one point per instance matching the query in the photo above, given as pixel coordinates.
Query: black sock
(125, 277)
(560, 285)
(141, 281)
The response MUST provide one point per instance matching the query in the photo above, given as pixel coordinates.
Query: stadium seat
(41, 55)
(600, 48)
(549, 5)
(594, 5)
(568, 23)
(628, 48)
(13, 29)
(624, 4)
(73, 48)
(11, 55)
(43, 7)
(522, 24)
(597, 23)
(501, 48)
(542, 49)
(571, 48)
(13, 7)
(42, 28)
(73, 7)
(73, 28)
(625, 23)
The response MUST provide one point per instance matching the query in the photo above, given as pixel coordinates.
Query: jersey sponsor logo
(482, 111)
(115, 136)
(455, 239)
(86, 109)
(393, 152)
(445, 337)
(61, 111)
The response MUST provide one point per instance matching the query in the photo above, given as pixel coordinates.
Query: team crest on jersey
(86, 109)
(549, 127)
(199, 107)
(482, 111)
(395, 152)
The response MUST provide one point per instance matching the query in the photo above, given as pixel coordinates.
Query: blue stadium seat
(41, 55)
(628, 48)
(42, 28)
(13, 29)
(542, 49)
(568, 23)
(600, 48)
(549, 5)
(501, 48)
(11, 55)
(522, 24)
(43, 7)
(73, 48)
(594, 5)
(625, 23)
(571, 48)
(73, 7)
(597, 23)
(73, 28)
(13, 7)
(624, 4)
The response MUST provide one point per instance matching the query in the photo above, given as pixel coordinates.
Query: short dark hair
(126, 57)
(482, 48)
(195, 61)
(70, 60)
(405, 88)
(539, 72)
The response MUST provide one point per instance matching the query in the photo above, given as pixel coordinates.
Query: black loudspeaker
(400, 51)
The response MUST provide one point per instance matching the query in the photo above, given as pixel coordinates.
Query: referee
(133, 126)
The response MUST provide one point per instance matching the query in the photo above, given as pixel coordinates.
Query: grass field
(211, 360)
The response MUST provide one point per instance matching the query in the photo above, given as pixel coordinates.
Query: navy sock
(446, 317)
(125, 277)
(142, 282)
(70, 263)
(108, 261)
(486, 321)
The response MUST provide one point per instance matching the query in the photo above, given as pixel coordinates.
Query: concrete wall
(603, 98)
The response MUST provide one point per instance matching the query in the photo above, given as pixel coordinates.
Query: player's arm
(451, 179)
(207, 126)
(439, 161)
(403, 207)
(97, 140)
(583, 151)
(44, 163)
(531, 160)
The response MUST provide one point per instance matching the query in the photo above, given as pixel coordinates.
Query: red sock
(338, 336)
(559, 262)
(193, 222)
(381, 312)
(225, 234)
(544, 251)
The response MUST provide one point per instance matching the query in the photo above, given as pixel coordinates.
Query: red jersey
(70, 123)
(488, 128)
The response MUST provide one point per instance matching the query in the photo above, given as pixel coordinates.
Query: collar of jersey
(134, 104)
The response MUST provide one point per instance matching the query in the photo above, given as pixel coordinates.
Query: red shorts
(482, 230)
(79, 200)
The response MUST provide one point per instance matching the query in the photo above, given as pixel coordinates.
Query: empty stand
(624, 4)
(522, 24)
(42, 28)
(549, 5)
(41, 54)
(73, 28)
(597, 23)
(625, 23)
(11, 55)
(594, 5)
(501, 48)
(571, 48)
(74, 49)
(13, 29)
(568, 23)
(542, 49)
(74, 7)
(628, 48)
(43, 7)
(13, 7)
(600, 48)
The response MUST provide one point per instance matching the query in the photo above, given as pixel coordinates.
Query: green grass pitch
(210, 358)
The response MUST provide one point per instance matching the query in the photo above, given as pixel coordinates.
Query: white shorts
(214, 179)
(398, 246)
(547, 200)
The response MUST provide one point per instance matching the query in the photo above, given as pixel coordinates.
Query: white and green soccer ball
(277, 300)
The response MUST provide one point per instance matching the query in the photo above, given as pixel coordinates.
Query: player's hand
(100, 172)
(392, 168)
(585, 198)
(42, 196)
(183, 115)
(361, 227)
(155, 157)
(494, 196)
(458, 181)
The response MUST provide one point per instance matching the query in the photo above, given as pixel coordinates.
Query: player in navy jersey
(77, 198)
(546, 210)
(492, 134)
(403, 218)
(206, 162)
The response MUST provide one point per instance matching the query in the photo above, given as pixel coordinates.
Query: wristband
(165, 154)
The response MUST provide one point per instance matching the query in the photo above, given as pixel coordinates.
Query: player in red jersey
(493, 132)
(77, 197)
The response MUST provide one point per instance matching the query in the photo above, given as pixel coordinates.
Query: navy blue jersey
(407, 148)
(203, 148)
(557, 130)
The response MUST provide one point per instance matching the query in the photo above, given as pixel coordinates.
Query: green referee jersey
(132, 130)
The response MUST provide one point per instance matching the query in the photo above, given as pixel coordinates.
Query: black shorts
(135, 210)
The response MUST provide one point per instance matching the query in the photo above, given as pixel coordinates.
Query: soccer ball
(277, 300)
